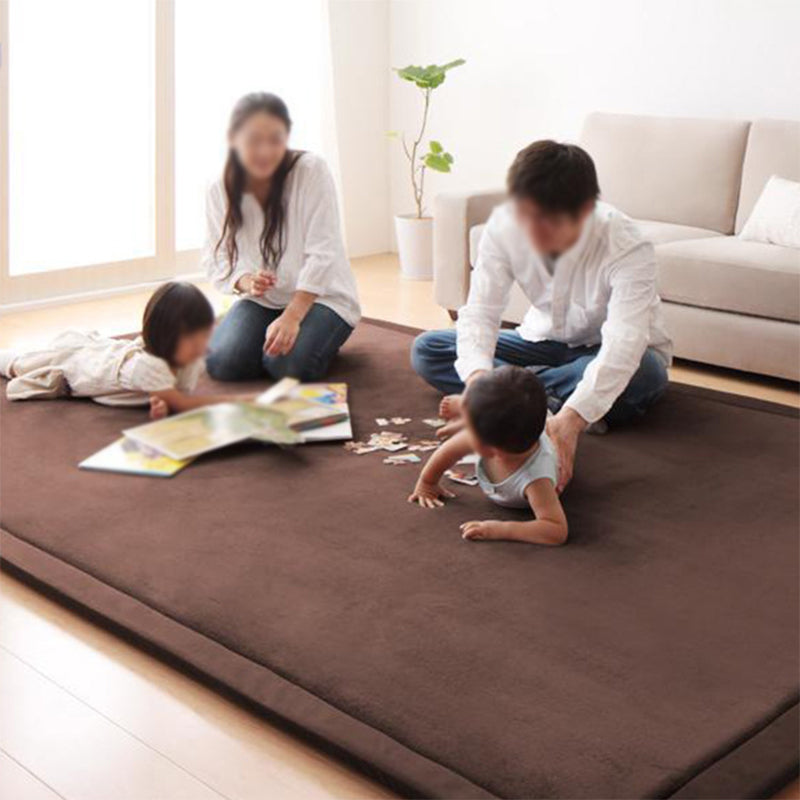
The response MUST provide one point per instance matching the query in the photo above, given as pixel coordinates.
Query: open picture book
(288, 413)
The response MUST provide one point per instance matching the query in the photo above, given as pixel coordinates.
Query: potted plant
(415, 231)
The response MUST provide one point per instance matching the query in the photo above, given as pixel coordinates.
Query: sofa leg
(453, 314)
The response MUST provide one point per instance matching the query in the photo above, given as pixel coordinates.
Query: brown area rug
(655, 655)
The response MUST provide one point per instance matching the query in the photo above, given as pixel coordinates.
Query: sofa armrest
(454, 214)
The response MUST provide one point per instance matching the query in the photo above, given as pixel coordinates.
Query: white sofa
(691, 184)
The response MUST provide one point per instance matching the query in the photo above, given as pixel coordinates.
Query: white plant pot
(415, 246)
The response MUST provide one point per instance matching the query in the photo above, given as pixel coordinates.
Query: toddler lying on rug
(160, 367)
(505, 412)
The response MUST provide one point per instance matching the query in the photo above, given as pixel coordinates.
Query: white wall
(360, 51)
(535, 68)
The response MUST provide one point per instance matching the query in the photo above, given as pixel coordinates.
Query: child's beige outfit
(115, 372)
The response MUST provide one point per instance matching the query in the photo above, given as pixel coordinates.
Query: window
(113, 119)
(82, 133)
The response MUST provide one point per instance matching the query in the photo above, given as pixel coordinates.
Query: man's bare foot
(450, 407)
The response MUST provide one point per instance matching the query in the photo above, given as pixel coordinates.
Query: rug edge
(307, 716)
(255, 687)
(733, 773)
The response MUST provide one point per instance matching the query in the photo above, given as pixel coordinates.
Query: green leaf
(427, 77)
(393, 134)
(436, 162)
(448, 158)
(436, 147)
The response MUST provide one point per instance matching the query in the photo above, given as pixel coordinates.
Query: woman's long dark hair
(271, 242)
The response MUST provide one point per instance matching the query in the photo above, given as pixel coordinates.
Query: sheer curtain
(227, 48)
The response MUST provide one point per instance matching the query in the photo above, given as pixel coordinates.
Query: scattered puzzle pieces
(393, 441)
(404, 458)
(424, 445)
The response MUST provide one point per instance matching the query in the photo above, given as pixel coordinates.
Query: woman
(274, 239)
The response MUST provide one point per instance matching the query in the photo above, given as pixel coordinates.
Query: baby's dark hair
(507, 408)
(176, 308)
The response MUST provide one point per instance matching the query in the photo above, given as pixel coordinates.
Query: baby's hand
(488, 529)
(429, 495)
(158, 408)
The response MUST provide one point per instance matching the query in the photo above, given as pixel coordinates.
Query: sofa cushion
(728, 274)
(773, 148)
(662, 232)
(685, 171)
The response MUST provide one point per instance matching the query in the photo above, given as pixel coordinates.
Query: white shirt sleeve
(145, 373)
(624, 334)
(323, 248)
(479, 320)
(215, 261)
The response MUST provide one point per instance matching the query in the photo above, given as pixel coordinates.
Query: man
(593, 334)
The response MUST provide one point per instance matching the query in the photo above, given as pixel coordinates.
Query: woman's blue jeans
(237, 353)
(559, 366)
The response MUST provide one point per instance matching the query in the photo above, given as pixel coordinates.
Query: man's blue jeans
(236, 351)
(559, 367)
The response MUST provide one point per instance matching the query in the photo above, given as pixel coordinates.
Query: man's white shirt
(602, 291)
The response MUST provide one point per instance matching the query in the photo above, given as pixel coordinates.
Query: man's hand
(158, 407)
(256, 284)
(487, 529)
(429, 495)
(564, 429)
(281, 335)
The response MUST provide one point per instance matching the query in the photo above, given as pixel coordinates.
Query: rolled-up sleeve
(323, 247)
(479, 320)
(624, 334)
(215, 262)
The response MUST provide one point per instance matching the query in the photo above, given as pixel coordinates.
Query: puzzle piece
(462, 477)
(405, 458)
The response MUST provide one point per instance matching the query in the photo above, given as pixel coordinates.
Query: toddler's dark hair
(507, 408)
(176, 308)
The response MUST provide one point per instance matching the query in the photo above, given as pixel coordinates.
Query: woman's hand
(282, 334)
(256, 284)
(429, 495)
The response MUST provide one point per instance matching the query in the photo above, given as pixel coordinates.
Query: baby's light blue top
(543, 463)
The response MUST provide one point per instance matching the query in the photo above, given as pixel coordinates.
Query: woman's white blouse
(314, 259)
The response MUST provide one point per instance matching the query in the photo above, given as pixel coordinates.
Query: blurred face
(550, 232)
(260, 144)
(192, 346)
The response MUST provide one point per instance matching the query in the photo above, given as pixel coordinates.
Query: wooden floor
(83, 715)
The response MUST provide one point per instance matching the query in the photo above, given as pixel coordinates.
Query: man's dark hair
(558, 177)
(176, 308)
(507, 408)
